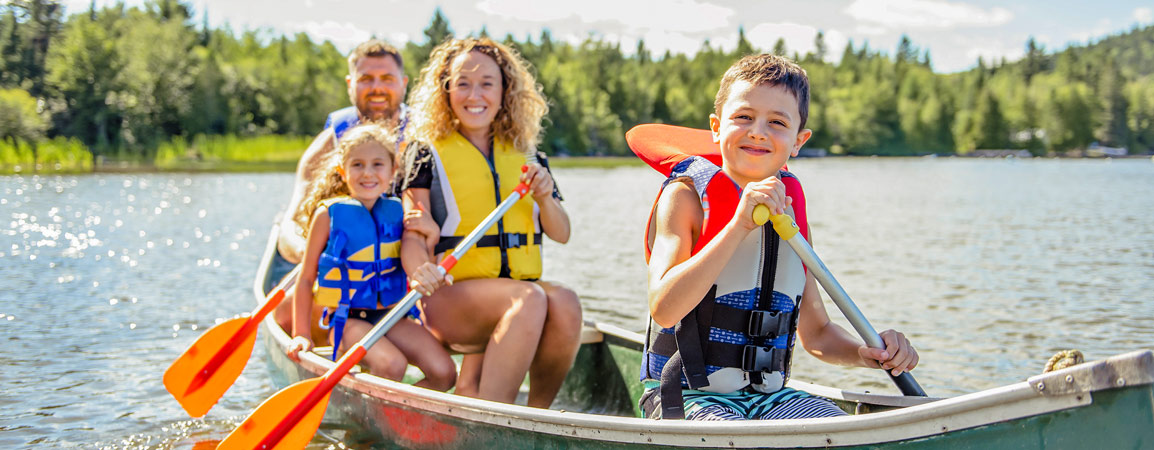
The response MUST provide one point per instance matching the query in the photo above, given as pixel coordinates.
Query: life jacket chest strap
(502, 240)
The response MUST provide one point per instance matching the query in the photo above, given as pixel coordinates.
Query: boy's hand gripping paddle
(290, 418)
(788, 231)
(202, 374)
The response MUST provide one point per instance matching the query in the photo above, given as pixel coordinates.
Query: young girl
(352, 263)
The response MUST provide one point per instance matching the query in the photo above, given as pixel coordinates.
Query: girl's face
(368, 172)
(475, 91)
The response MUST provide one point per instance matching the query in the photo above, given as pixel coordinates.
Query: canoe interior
(1105, 404)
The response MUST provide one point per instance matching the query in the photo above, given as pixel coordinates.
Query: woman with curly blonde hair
(476, 121)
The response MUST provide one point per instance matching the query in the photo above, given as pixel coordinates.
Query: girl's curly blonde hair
(330, 184)
(522, 103)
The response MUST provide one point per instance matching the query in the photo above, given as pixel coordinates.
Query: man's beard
(384, 117)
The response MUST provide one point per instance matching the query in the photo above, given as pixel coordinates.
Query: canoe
(1101, 404)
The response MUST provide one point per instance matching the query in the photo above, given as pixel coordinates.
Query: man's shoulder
(316, 153)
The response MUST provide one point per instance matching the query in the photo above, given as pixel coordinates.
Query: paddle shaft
(249, 327)
(398, 311)
(788, 231)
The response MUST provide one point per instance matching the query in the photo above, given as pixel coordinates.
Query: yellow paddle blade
(260, 424)
(195, 395)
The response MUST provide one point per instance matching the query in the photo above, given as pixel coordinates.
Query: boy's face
(757, 131)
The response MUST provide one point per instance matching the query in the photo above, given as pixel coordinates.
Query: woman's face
(475, 91)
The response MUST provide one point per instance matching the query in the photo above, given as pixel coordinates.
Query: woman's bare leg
(469, 381)
(503, 316)
(560, 340)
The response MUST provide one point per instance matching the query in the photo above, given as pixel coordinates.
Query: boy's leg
(790, 403)
(383, 359)
(470, 379)
(560, 340)
(502, 316)
(698, 405)
(713, 407)
(421, 349)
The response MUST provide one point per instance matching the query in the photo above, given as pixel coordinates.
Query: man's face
(377, 87)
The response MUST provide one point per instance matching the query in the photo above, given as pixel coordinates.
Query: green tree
(743, 45)
(19, 118)
(83, 67)
(1070, 123)
(779, 47)
(819, 47)
(1112, 129)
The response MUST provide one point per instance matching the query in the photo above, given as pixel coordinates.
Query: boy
(727, 298)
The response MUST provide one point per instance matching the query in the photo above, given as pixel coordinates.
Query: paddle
(788, 231)
(305, 401)
(201, 375)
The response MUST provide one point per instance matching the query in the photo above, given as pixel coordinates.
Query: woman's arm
(554, 219)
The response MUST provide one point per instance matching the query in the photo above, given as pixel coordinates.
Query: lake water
(990, 266)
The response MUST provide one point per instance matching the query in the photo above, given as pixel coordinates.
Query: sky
(956, 33)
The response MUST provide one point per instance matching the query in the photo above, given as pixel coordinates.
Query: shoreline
(566, 162)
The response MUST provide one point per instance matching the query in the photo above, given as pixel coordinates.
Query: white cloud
(1144, 15)
(1101, 29)
(798, 38)
(675, 16)
(937, 14)
(343, 35)
(870, 30)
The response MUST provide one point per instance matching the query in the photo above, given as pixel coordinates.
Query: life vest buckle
(770, 324)
(763, 359)
(512, 240)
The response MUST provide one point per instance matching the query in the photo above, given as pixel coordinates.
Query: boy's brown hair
(767, 69)
(374, 48)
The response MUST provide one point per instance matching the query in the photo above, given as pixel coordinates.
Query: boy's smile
(757, 131)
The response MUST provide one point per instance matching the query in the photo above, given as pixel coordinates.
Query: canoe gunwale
(1127, 369)
(918, 419)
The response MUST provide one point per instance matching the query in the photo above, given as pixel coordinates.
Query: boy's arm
(678, 281)
(831, 343)
(303, 296)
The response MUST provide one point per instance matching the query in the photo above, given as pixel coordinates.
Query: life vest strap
(721, 354)
(756, 323)
(758, 359)
(502, 240)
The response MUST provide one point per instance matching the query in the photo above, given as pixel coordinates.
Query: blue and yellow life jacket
(360, 267)
(466, 187)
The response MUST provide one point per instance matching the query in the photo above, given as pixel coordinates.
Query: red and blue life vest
(742, 332)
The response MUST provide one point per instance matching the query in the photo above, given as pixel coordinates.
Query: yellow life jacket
(469, 186)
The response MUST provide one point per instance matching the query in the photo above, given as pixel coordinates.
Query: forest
(157, 83)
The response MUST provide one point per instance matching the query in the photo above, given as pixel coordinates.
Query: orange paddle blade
(269, 414)
(195, 395)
